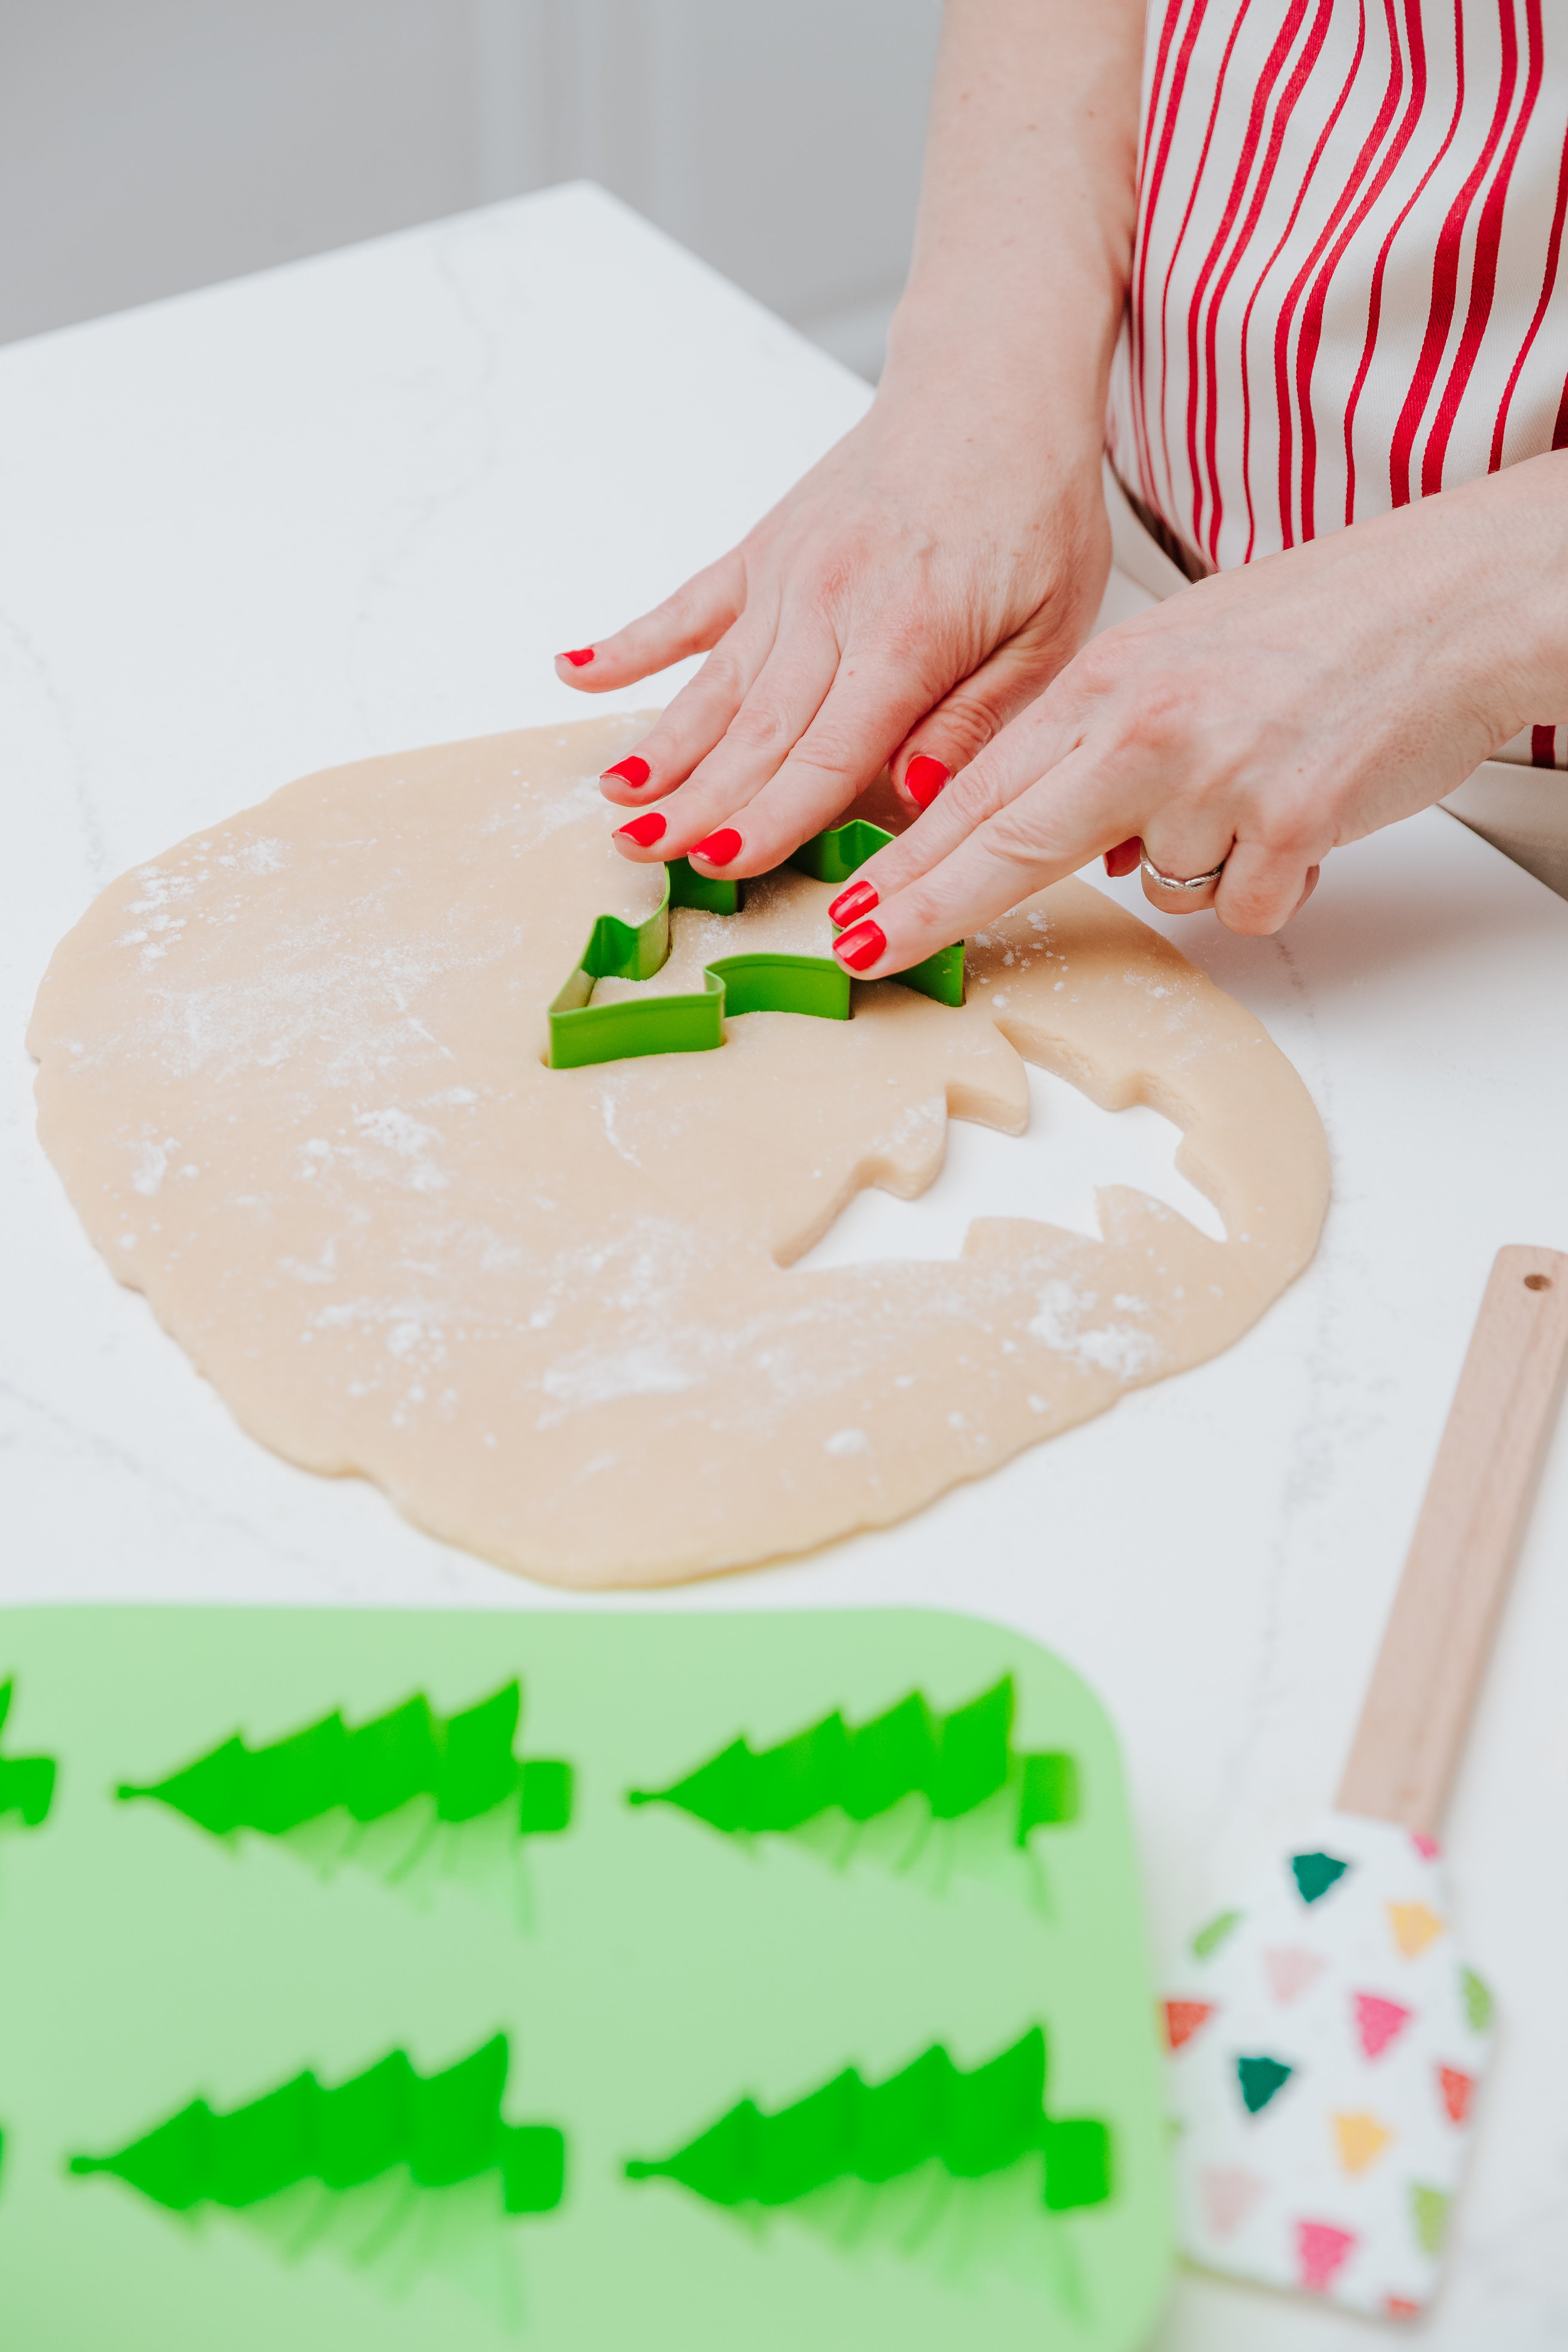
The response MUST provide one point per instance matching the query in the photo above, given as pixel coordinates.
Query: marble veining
(358, 503)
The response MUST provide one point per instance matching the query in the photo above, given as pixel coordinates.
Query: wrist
(1036, 391)
(1471, 582)
(1521, 578)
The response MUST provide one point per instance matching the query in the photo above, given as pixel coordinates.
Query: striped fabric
(1346, 287)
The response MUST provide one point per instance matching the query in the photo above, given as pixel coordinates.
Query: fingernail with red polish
(631, 770)
(583, 654)
(924, 778)
(860, 947)
(1123, 857)
(720, 848)
(859, 899)
(644, 830)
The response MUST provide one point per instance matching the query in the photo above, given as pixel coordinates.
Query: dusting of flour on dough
(293, 1073)
(1120, 1348)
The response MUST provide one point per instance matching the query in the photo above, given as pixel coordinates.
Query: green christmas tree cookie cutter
(582, 1033)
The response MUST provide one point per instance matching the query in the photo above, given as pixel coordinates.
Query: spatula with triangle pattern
(1326, 2038)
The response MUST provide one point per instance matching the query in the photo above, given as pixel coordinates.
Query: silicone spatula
(1327, 2040)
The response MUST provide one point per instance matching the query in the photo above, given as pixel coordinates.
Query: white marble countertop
(356, 504)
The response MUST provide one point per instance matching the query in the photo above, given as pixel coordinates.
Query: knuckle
(1293, 823)
(1295, 845)
(708, 602)
(1160, 719)
(721, 674)
(681, 611)
(833, 579)
(903, 640)
(833, 751)
(959, 732)
(758, 726)
(1096, 668)
(975, 794)
(1019, 833)
(923, 901)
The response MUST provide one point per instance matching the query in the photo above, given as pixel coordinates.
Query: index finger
(1049, 830)
(864, 717)
(1031, 750)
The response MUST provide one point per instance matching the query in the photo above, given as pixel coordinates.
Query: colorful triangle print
(1261, 2079)
(1362, 2140)
(1429, 2212)
(1320, 2250)
(1414, 1927)
(1457, 2091)
(1476, 1999)
(1315, 1873)
(1291, 1971)
(1229, 2195)
(1210, 1937)
(1399, 2307)
(1183, 2019)
(1429, 1848)
(1378, 2021)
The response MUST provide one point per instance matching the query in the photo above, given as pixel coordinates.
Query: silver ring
(1191, 887)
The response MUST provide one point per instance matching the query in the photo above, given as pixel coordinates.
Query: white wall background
(149, 146)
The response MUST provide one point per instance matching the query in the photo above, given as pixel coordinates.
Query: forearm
(1501, 566)
(943, 562)
(1026, 213)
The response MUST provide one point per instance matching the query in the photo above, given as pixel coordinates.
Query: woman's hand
(936, 571)
(1255, 721)
(917, 589)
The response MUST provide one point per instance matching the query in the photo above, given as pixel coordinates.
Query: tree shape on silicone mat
(410, 1775)
(952, 1770)
(396, 2172)
(445, 2129)
(932, 2115)
(27, 1782)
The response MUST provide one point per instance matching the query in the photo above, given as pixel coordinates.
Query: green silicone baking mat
(577, 1981)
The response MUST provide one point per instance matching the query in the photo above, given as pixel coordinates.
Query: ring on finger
(1190, 886)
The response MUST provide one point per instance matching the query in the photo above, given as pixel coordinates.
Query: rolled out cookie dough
(293, 1077)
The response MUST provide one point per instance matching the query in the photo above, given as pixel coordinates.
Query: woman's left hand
(1253, 722)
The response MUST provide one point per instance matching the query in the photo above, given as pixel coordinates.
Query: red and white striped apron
(1345, 284)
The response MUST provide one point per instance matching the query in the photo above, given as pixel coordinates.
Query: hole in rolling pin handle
(1538, 1281)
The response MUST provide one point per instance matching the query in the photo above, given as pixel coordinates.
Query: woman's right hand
(914, 591)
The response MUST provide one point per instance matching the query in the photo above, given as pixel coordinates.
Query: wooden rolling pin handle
(1439, 1632)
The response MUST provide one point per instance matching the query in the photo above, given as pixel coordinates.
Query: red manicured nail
(631, 770)
(859, 899)
(1123, 857)
(860, 947)
(644, 830)
(924, 778)
(584, 653)
(720, 848)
